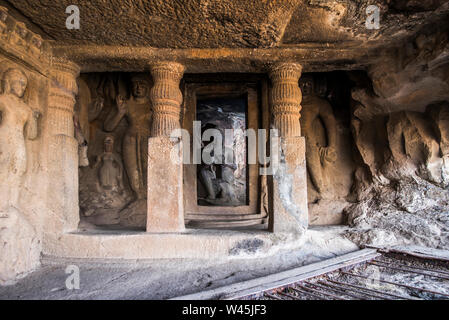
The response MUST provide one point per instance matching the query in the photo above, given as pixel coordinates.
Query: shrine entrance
(225, 191)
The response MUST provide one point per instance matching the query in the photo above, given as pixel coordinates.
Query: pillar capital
(285, 70)
(286, 98)
(64, 72)
(169, 70)
(61, 99)
(166, 97)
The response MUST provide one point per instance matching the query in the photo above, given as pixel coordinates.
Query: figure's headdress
(109, 137)
(8, 74)
(307, 77)
(140, 77)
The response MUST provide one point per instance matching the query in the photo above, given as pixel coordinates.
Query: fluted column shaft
(286, 98)
(166, 97)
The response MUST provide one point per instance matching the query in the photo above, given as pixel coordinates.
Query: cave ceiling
(243, 24)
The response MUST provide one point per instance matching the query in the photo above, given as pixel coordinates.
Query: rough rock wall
(400, 128)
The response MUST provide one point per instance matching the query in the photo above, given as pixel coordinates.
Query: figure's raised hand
(95, 108)
(98, 160)
(36, 114)
(121, 104)
(98, 104)
(328, 154)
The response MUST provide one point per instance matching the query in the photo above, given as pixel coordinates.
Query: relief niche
(328, 155)
(113, 187)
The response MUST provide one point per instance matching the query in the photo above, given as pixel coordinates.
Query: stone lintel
(326, 57)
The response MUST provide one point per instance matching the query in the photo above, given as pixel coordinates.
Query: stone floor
(167, 278)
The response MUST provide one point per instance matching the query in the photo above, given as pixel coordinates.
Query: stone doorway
(231, 195)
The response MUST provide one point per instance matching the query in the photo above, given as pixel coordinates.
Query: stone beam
(327, 57)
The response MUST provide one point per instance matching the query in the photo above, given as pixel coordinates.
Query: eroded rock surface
(402, 179)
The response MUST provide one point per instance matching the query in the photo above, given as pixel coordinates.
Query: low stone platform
(168, 278)
(193, 243)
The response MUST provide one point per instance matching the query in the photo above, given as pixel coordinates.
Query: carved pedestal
(290, 180)
(165, 192)
(63, 147)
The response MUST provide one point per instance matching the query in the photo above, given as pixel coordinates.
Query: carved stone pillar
(63, 147)
(290, 212)
(286, 98)
(165, 188)
(166, 97)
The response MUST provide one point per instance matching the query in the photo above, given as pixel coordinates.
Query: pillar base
(290, 213)
(165, 202)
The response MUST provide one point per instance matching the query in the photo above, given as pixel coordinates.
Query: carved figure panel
(223, 182)
(20, 133)
(319, 128)
(113, 188)
(328, 153)
(18, 122)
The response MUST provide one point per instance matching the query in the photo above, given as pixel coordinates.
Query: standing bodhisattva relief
(317, 117)
(118, 122)
(110, 168)
(135, 142)
(103, 203)
(18, 121)
(20, 248)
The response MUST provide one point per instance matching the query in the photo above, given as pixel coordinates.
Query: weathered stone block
(290, 213)
(165, 200)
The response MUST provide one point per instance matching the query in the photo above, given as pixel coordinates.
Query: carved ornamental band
(286, 98)
(166, 97)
